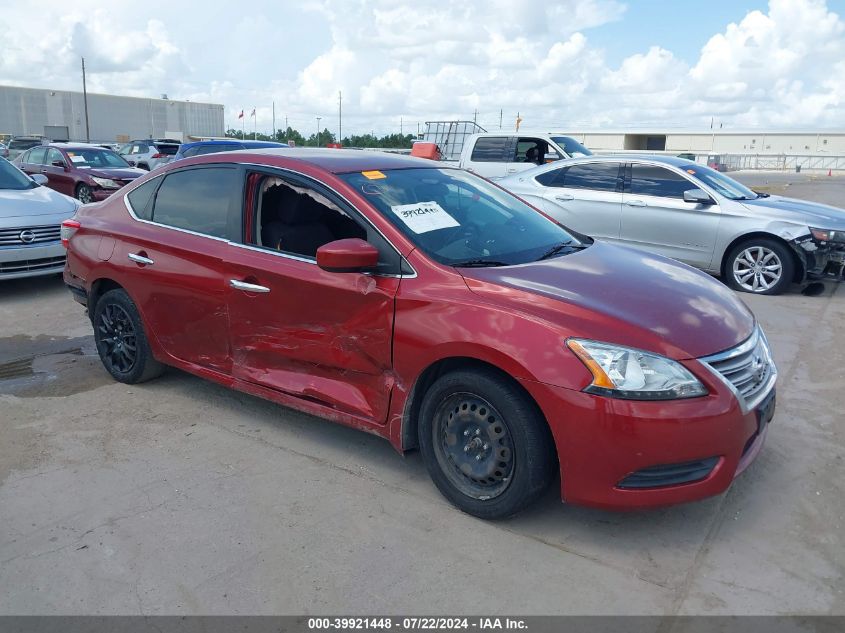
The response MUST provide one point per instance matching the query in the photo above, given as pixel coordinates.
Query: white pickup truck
(495, 155)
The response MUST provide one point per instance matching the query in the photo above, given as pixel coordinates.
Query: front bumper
(603, 442)
(101, 194)
(44, 258)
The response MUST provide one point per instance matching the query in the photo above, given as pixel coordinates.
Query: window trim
(244, 166)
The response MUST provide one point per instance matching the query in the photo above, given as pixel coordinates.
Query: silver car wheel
(757, 269)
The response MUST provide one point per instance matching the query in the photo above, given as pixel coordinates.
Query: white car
(149, 153)
(30, 224)
(673, 207)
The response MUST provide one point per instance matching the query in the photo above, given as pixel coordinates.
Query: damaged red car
(428, 306)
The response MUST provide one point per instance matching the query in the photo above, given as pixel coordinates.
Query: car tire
(84, 194)
(760, 265)
(485, 443)
(121, 341)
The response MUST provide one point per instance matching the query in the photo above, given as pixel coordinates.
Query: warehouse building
(60, 115)
(796, 143)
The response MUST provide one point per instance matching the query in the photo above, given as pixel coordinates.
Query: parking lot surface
(179, 496)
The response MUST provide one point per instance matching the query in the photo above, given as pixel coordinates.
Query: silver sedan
(30, 224)
(674, 207)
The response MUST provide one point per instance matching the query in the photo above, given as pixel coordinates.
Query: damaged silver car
(674, 207)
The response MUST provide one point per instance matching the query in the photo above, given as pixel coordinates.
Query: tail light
(159, 155)
(69, 227)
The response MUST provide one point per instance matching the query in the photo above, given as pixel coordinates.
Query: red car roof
(340, 161)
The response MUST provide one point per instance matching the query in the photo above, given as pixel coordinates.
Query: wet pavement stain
(54, 366)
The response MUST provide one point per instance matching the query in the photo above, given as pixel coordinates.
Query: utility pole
(401, 126)
(475, 116)
(500, 119)
(85, 102)
(274, 120)
(286, 128)
(318, 130)
(339, 117)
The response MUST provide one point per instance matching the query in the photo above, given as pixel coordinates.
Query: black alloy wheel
(117, 334)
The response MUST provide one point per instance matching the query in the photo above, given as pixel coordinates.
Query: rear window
(140, 198)
(23, 143)
(595, 176)
(199, 200)
(490, 149)
(166, 148)
(36, 156)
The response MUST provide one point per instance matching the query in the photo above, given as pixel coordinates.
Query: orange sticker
(691, 171)
(373, 175)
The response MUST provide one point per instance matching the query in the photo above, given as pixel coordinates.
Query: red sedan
(428, 306)
(85, 172)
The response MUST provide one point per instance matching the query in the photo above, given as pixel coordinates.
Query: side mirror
(550, 157)
(59, 163)
(698, 196)
(347, 256)
(40, 179)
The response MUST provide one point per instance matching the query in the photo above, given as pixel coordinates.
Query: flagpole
(274, 120)
(254, 125)
(243, 125)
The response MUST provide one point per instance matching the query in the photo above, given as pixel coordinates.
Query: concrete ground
(182, 497)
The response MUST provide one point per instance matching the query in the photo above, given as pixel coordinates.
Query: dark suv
(201, 148)
(89, 173)
(20, 144)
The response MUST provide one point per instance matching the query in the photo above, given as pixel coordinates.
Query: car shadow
(29, 286)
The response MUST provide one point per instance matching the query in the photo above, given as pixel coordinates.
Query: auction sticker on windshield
(423, 217)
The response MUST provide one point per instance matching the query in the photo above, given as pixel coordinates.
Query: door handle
(635, 203)
(511, 170)
(247, 287)
(565, 197)
(140, 259)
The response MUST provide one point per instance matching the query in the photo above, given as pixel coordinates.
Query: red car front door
(58, 175)
(313, 334)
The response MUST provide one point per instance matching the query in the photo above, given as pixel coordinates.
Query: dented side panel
(321, 336)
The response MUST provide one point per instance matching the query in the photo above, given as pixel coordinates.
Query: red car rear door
(296, 328)
(174, 260)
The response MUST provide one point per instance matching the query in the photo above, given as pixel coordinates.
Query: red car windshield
(460, 219)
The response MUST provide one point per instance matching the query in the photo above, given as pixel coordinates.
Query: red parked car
(427, 305)
(85, 172)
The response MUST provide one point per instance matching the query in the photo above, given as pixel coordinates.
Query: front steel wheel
(485, 443)
(473, 445)
(760, 266)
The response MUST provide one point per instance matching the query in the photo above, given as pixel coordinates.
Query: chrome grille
(30, 265)
(748, 368)
(29, 235)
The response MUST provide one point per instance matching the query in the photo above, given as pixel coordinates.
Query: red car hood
(622, 295)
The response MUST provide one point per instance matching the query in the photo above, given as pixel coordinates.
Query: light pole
(318, 130)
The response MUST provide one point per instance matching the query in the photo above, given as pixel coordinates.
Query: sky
(567, 64)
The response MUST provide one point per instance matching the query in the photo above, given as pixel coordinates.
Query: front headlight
(106, 183)
(827, 235)
(632, 374)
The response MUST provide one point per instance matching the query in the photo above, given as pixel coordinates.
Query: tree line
(398, 141)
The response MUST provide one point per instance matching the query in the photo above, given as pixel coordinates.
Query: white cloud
(778, 66)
